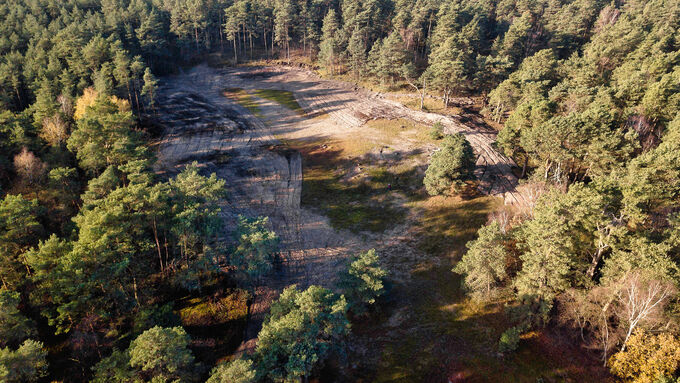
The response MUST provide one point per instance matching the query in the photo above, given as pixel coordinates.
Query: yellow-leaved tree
(90, 96)
(647, 358)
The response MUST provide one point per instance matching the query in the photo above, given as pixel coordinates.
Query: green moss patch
(244, 99)
(207, 311)
(282, 97)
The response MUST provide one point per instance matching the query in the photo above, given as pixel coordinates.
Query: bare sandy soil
(265, 179)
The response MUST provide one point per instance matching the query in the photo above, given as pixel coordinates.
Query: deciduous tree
(648, 358)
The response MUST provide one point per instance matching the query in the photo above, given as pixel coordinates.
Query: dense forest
(95, 247)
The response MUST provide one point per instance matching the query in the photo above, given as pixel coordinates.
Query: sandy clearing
(350, 107)
(264, 179)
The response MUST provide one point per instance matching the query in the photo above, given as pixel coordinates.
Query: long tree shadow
(434, 327)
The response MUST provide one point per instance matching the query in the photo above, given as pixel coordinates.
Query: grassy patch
(215, 323)
(206, 311)
(355, 206)
(449, 336)
(354, 146)
(297, 58)
(244, 99)
(361, 204)
(444, 322)
(359, 192)
(449, 223)
(429, 105)
(374, 135)
(282, 97)
(399, 129)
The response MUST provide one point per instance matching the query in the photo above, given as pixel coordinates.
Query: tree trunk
(251, 45)
(221, 37)
(158, 244)
(422, 95)
(235, 52)
(137, 97)
(604, 234)
(184, 252)
(96, 341)
(249, 304)
(127, 85)
(594, 263)
(243, 37)
(167, 252)
(134, 289)
(16, 90)
(264, 38)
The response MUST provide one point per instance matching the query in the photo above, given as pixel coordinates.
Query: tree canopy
(98, 250)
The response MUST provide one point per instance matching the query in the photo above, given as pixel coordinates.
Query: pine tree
(393, 56)
(448, 71)
(330, 41)
(121, 73)
(104, 136)
(149, 88)
(256, 247)
(236, 371)
(283, 18)
(515, 43)
(232, 25)
(19, 230)
(137, 69)
(357, 53)
(483, 265)
(103, 80)
(27, 364)
(449, 166)
(301, 330)
(163, 353)
(152, 36)
(14, 326)
(363, 281)
(45, 103)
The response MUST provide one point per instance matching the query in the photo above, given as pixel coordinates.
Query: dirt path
(265, 179)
